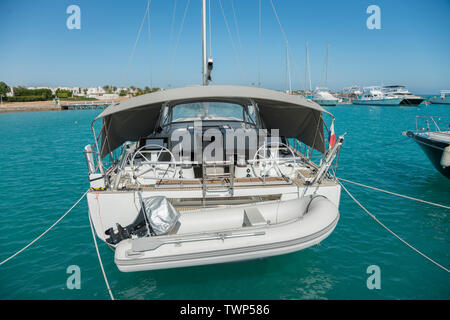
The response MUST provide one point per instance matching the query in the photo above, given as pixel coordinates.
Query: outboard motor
(157, 217)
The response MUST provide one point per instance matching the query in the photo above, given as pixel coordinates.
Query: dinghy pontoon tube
(246, 232)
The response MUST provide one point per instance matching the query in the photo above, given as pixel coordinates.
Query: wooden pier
(94, 105)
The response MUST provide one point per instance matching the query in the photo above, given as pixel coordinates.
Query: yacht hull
(412, 101)
(311, 221)
(434, 150)
(440, 101)
(329, 103)
(382, 102)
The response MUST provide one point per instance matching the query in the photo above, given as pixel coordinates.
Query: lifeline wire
(57, 221)
(390, 231)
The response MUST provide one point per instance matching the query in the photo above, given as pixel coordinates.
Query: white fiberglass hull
(304, 222)
(326, 102)
(378, 102)
(440, 100)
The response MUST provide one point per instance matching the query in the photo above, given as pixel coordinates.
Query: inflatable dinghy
(230, 234)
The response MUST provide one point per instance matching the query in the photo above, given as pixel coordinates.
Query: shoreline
(37, 106)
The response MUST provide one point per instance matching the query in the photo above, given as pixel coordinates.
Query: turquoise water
(43, 172)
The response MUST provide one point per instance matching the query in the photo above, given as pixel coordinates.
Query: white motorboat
(443, 99)
(402, 92)
(323, 97)
(211, 174)
(433, 137)
(375, 96)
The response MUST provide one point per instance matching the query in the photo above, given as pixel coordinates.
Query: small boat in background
(323, 97)
(375, 96)
(401, 92)
(433, 136)
(443, 99)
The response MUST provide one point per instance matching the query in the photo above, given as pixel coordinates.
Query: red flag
(332, 136)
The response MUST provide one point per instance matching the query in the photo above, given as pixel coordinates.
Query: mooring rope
(395, 194)
(100, 259)
(390, 231)
(42, 234)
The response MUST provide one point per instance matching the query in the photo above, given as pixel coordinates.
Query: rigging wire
(171, 30)
(136, 42)
(390, 231)
(150, 45)
(236, 26)
(173, 22)
(291, 55)
(180, 31)
(231, 39)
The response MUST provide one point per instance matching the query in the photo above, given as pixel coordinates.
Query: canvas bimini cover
(135, 118)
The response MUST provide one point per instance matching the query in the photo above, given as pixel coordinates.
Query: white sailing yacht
(211, 174)
(323, 95)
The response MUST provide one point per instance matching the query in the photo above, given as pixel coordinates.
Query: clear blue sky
(412, 48)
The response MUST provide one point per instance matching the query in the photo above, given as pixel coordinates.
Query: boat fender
(445, 158)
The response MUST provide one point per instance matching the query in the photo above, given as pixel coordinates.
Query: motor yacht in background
(211, 174)
(443, 99)
(323, 97)
(350, 93)
(375, 96)
(402, 92)
(433, 136)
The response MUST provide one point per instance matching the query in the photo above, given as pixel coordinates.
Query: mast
(204, 66)
(288, 71)
(307, 67)
(326, 67)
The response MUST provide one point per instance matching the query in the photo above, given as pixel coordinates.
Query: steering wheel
(146, 162)
(267, 159)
